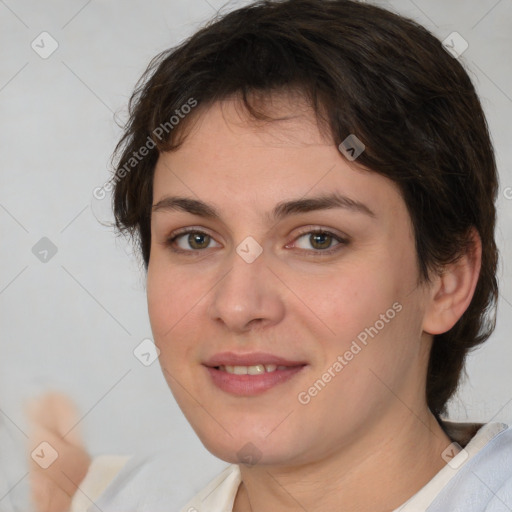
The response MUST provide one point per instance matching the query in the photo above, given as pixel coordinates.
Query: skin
(367, 440)
(53, 418)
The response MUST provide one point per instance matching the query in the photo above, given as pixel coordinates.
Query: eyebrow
(280, 211)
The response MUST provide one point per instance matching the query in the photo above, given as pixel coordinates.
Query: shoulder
(483, 482)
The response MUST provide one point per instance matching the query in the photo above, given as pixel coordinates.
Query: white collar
(219, 495)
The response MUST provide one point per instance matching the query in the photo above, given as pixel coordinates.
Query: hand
(53, 418)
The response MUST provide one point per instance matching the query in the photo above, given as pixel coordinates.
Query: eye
(191, 240)
(321, 241)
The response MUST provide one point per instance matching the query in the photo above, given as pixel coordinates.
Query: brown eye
(319, 241)
(198, 240)
(190, 241)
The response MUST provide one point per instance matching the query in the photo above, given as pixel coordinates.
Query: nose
(248, 296)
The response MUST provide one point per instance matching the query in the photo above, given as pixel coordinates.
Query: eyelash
(318, 252)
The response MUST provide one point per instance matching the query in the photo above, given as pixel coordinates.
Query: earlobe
(453, 289)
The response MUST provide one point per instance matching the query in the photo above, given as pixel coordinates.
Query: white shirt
(476, 479)
(220, 494)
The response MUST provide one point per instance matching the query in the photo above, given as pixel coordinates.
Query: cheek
(172, 297)
(370, 308)
(159, 297)
(351, 298)
(172, 308)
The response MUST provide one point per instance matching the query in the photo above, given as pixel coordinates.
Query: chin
(248, 449)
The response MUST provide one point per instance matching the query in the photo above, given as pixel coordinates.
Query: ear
(451, 291)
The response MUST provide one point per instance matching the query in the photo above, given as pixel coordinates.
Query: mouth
(256, 369)
(251, 374)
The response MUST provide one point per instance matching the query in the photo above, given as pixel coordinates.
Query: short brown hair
(365, 71)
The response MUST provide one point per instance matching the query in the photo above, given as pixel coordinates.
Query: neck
(385, 466)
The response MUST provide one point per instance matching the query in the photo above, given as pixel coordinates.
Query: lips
(250, 359)
(251, 374)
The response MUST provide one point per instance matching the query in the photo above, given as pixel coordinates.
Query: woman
(312, 188)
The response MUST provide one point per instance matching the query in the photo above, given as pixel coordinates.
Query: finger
(46, 497)
(70, 464)
(56, 412)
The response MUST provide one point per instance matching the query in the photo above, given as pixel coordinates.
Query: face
(270, 248)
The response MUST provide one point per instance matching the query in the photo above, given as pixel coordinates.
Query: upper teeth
(256, 369)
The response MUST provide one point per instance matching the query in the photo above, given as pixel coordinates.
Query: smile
(256, 369)
(251, 380)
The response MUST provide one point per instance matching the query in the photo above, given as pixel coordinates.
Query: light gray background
(73, 322)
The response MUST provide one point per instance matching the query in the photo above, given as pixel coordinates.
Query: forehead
(291, 122)
(227, 157)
